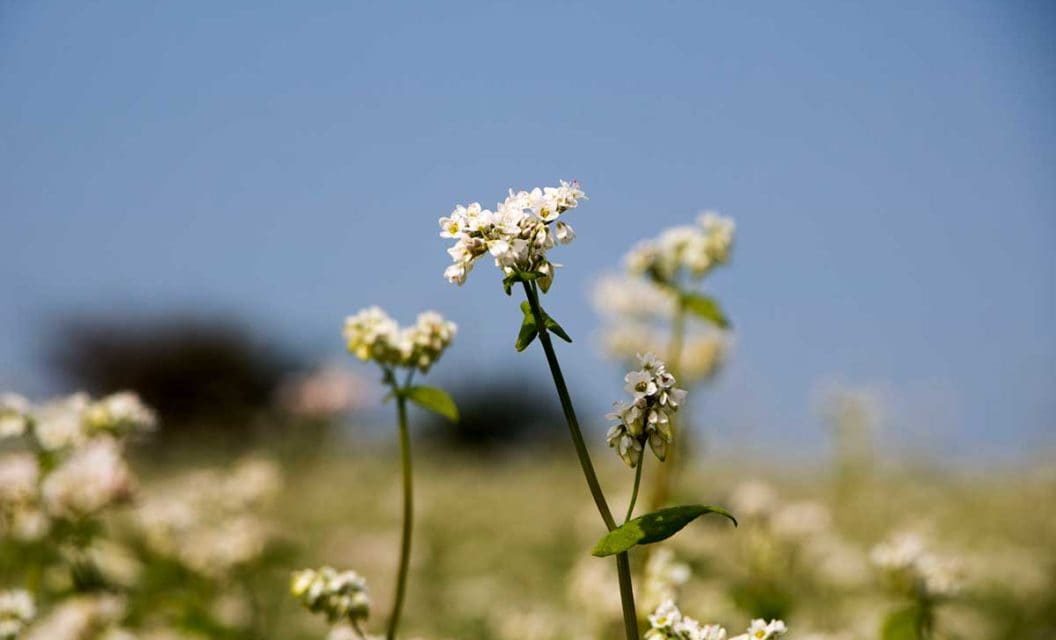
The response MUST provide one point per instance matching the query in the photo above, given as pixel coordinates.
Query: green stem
(637, 483)
(665, 475)
(623, 565)
(408, 516)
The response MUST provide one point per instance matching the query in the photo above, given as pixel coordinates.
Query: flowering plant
(371, 335)
(518, 235)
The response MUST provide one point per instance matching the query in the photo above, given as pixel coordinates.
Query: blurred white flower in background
(326, 392)
(16, 611)
(91, 479)
(13, 410)
(908, 565)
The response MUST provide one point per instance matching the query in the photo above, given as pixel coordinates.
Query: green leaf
(653, 527)
(556, 329)
(433, 399)
(527, 333)
(706, 308)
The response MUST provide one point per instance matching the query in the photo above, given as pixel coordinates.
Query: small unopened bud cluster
(16, 611)
(517, 234)
(694, 250)
(372, 335)
(340, 595)
(668, 623)
(647, 416)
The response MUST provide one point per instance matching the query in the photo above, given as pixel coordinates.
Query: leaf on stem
(528, 332)
(706, 308)
(653, 527)
(433, 399)
(555, 328)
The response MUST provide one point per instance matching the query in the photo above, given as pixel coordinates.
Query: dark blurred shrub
(199, 373)
(500, 414)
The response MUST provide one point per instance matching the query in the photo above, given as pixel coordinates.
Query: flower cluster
(647, 416)
(703, 352)
(693, 250)
(119, 414)
(94, 477)
(208, 520)
(340, 595)
(13, 410)
(73, 463)
(668, 623)
(517, 234)
(372, 335)
(16, 611)
(911, 568)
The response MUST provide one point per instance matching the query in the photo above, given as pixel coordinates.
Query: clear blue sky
(892, 171)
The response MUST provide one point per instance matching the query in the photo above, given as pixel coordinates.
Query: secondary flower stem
(623, 565)
(665, 474)
(408, 516)
(637, 483)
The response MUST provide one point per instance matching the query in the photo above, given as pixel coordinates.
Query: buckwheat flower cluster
(690, 249)
(13, 409)
(647, 416)
(908, 566)
(372, 335)
(119, 414)
(668, 623)
(16, 611)
(92, 478)
(209, 520)
(517, 234)
(340, 595)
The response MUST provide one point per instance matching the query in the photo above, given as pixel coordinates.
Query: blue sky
(891, 170)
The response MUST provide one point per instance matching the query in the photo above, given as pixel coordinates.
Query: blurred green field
(502, 546)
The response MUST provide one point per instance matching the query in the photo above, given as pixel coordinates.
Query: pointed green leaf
(706, 308)
(433, 399)
(527, 334)
(556, 329)
(653, 527)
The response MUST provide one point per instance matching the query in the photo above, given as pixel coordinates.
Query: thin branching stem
(623, 565)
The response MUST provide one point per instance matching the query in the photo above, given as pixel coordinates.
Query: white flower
(647, 417)
(517, 234)
(119, 414)
(668, 623)
(762, 630)
(13, 410)
(372, 335)
(640, 384)
(59, 424)
(910, 566)
(689, 250)
(16, 611)
(95, 476)
(340, 595)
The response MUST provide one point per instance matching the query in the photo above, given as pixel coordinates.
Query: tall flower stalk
(517, 235)
(623, 564)
(400, 353)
